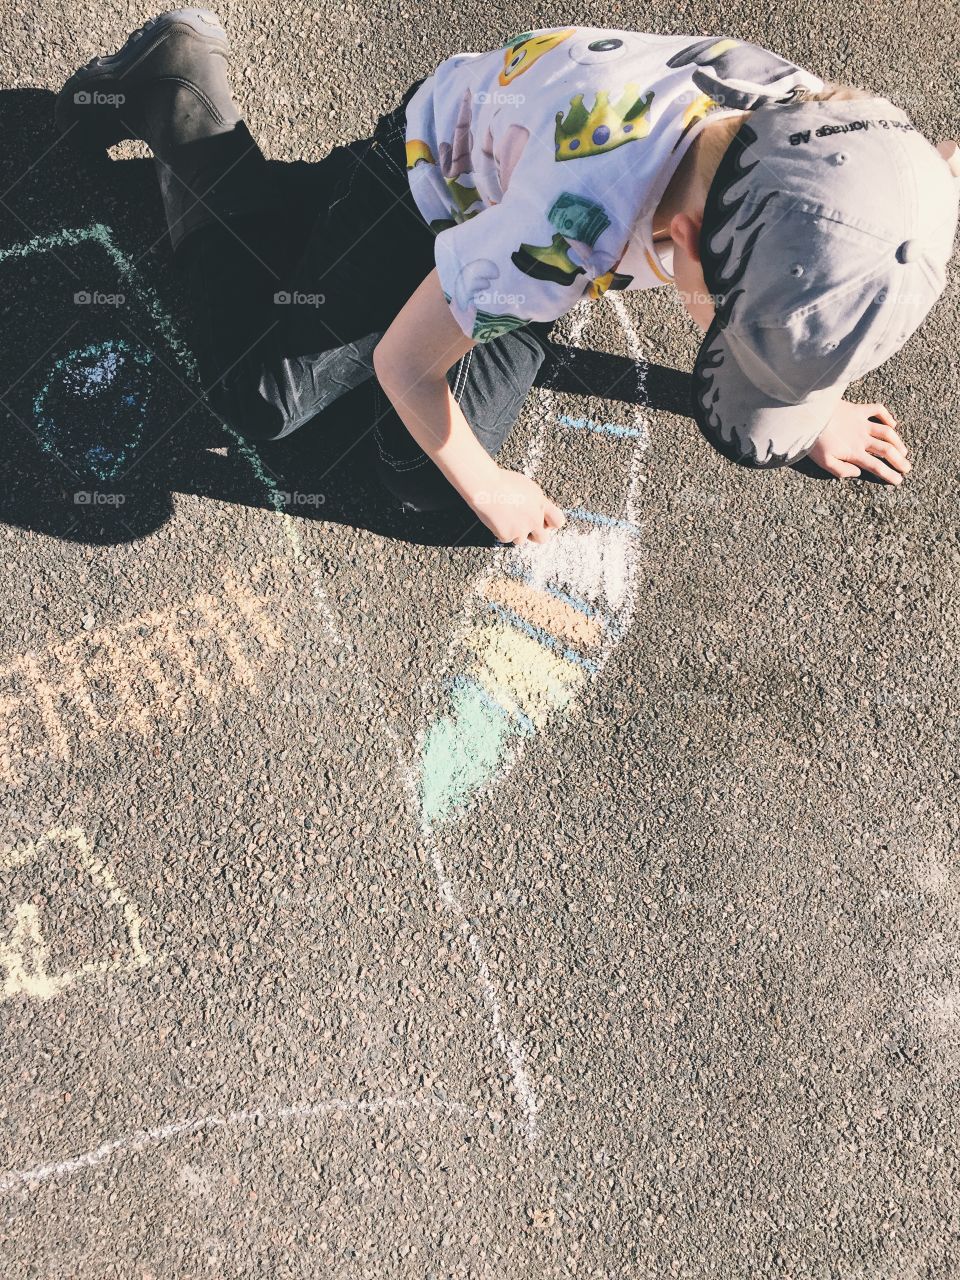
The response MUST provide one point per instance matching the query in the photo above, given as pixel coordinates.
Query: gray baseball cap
(826, 235)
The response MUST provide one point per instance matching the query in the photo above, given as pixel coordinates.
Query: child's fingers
(553, 517)
(882, 432)
(881, 412)
(876, 466)
(842, 470)
(890, 453)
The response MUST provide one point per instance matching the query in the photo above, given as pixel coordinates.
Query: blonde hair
(704, 159)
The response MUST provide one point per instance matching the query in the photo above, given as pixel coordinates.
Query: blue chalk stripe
(581, 606)
(601, 428)
(541, 636)
(594, 517)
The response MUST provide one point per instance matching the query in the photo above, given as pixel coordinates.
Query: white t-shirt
(541, 164)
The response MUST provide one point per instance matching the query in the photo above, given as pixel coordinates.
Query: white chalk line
(143, 1139)
(469, 929)
(509, 1047)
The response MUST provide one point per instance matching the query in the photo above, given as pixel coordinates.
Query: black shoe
(185, 50)
(168, 85)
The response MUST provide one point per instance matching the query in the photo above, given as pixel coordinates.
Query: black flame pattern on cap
(723, 271)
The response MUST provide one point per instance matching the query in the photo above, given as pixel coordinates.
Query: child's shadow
(102, 416)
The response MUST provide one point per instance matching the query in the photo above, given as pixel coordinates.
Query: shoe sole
(101, 124)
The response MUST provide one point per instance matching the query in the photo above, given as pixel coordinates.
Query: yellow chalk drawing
(25, 953)
(25, 958)
(513, 665)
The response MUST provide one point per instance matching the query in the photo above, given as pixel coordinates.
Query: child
(807, 228)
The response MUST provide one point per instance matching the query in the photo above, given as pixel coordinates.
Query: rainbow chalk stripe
(545, 625)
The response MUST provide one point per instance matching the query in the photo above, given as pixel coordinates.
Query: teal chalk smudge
(462, 751)
(100, 456)
(101, 389)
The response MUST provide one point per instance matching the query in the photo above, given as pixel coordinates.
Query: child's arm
(411, 362)
(858, 438)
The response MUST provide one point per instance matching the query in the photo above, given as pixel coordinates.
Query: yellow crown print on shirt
(606, 126)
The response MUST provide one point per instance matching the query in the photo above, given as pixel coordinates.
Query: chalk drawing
(468, 927)
(143, 1139)
(99, 234)
(514, 681)
(111, 380)
(603, 428)
(26, 955)
(25, 952)
(548, 619)
(130, 677)
(599, 608)
(138, 287)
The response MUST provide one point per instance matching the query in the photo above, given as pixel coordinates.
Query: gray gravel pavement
(677, 994)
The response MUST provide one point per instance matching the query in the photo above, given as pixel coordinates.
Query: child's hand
(515, 508)
(852, 442)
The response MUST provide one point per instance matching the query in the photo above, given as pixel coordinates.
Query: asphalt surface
(677, 993)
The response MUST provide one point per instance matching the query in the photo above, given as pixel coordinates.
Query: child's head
(685, 198)
(820, 246)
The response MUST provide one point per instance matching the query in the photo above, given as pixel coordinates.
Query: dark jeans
(289, 300)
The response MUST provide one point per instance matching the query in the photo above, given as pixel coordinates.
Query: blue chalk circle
(91, 410)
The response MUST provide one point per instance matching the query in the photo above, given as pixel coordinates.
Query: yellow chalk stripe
(545, 611)
(510, 663)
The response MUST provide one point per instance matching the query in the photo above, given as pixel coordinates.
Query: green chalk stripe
(462, 751)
